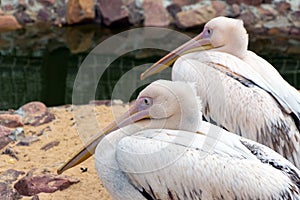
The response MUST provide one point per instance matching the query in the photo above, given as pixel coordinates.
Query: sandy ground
(68, 128)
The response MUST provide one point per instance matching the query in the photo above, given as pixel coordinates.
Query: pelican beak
(198, 43)
(134, 114)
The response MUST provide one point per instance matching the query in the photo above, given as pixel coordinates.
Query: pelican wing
(169, 164)
(263, 75)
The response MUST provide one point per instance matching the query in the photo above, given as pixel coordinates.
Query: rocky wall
(277, 16)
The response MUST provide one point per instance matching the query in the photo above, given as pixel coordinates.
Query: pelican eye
(147, 101)
(207, 33)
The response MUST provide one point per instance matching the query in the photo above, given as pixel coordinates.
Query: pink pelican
(240, 91)
(164, 150)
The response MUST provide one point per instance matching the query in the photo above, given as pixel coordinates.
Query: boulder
(8, 22)
(155, 13)
(113, 11)
(80, 10)
(33, 184)
(195, 17)
(10, 120)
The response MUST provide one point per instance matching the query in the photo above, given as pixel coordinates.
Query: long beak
(198, 43)
(129, 117)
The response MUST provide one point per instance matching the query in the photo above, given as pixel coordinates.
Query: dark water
(41, 63)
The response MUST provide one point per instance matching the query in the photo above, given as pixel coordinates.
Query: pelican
(240, 91)
(164, 150)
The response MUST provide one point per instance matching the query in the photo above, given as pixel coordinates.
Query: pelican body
(163, 150)
(240, 91)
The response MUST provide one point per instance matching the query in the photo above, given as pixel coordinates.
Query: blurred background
(44, 42)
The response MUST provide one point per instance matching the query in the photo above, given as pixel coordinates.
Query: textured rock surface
(155, 13)
(11, 121)
(196, 17)
(80, 10)
(34, 184)
(113, 11)
(9, 22)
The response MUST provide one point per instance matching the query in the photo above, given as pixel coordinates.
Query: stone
(7, 193)
(34, 184)
(50, 145)
(220, 7)
(196, 17)
(155, 13)
(46, 2)
(33, 109)
(173, 9)
(248, 2)
(44, 15)
(294, 18)
(4, 131)
(248, 18)
(35, 114)
(27, 141)
(9, 22)
(80, 10)
(113, 11)
(4, 141)
(267, 14)
(280, 21)
(136, 15)
(185, 2)
(23, 17)
(11, 121)
(282, 7)
(10, 175)
(235, 10)
(11, 152)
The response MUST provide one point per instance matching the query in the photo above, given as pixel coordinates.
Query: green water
(41, 64)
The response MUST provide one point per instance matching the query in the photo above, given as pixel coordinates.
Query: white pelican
(190, 159)
(240, 91)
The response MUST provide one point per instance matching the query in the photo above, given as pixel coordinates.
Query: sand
(67, 128)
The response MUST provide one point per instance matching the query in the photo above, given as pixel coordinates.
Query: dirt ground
(71, 123)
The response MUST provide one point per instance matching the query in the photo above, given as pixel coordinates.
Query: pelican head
(220, 34)
(162, 104)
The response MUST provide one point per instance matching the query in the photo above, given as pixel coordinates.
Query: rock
(50, 145)
(280, 21)
(248, 18)
(44, 15)
(4, 131)
(46, 3)
(35, 114)
(33, 184)
(235, 10)
(11, 121)
(113, 11)
(282, 7)
(7, 193)
(10, 175)
(4, 141)
(27, 141)
(9, 22)
(11, 152)
(196, 17)
(155, 13)
(80, 10)
(294, 18)
(136, 15)
(248, 2)
(17, 134)
(220, 7)
(185, 2)
(267, 13)
(33, 109)
(173, 9)
(23, 17)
